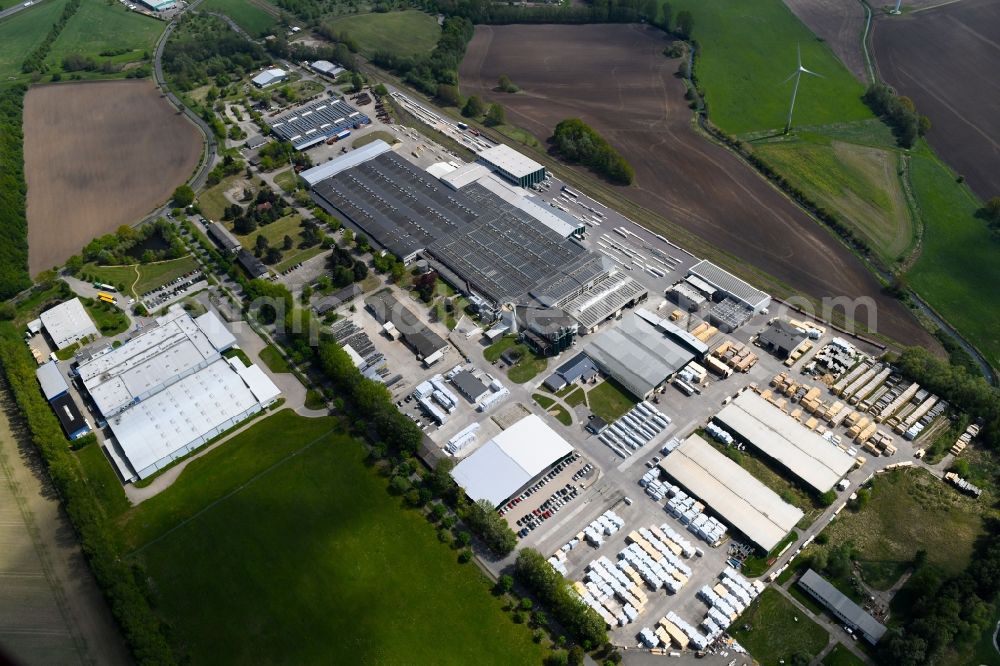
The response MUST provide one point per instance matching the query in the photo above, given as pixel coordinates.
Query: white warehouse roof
(369, 151)
(804, 453)
(67, 323)
(191, 411)
(510, 460)
(51, 380)
(732, 492)
(464, 175)
(327, 67)
(506, 158)
(269, 76)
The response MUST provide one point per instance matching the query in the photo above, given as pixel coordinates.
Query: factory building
(842, 607)
(719, 281)
(317, 121)
(169, 390)
(56, 392)
(223, 238)
(512, 460)
(396, 318)
(512, 165)
(781, 338)
(66, 324)
(269, 77)
(327, 68)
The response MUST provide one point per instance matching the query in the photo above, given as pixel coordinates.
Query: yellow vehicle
(107, 298)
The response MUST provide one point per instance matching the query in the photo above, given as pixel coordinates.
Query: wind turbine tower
(896, 10)
(797, 75)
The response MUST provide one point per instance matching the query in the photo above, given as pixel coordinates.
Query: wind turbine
(797, 75)
(896, 10)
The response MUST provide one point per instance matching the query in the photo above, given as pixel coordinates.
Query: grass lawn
(527, 368)
(287, 180)
(774, 633)
(519, 135)
(562, 415)
(275, 232)
(314, 400)
(577, 397)
(236, 352)
(494, 351)
(213, 200)
(109, 319)
(100, 26)
(121, 277)
(24, 31)
(246, 13)
(273, 359)
(959, 255)
(162, 272)
(610, 400)
(860, 181)
(285, 533)
(103, 480)
(373, 136)
(543, 401)
(408, 33)
(909, 510)
(748, 49)
(841, 656)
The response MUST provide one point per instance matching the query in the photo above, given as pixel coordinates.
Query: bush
(577, 142)
(551, 589)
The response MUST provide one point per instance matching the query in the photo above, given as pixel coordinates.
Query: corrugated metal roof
(729, 283)
(849, 611)
(51, 380)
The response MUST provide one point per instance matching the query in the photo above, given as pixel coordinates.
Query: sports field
(22, 32)
(408, 33)
(98, 27)
(249, 15)
(285, 534)
(748, 50)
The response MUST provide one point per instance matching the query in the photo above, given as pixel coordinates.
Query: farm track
(616, 79)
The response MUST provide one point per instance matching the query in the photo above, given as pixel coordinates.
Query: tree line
(440, 67)
(204, 49)
(898, 112)
(35, 61)
(117, 577)
(13, 213)
(575, 141)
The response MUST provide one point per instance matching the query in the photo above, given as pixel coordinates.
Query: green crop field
(778, 630)
(860, 181)
(958, 268)
(247, 14)
(98, 26)
(286, 534)
(748, 49)
(22, 32)
(407, 33)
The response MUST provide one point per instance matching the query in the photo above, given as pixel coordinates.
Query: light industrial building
(223, 238)
(511, 460)
(327, 68)
(731, 492)
(52, 382)
(842, 607)
(269, 77)
(56, 392)
(428, 345)
(675, 332)
(169, 390)
(638, 355)
(470, 386)
(159, 5)
(781, 338)
(579, 368)
(66, 323)
(512, 165)
(317, 121)
(728, 284)
(777, 435)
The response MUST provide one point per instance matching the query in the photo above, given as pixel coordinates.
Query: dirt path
(51, 610)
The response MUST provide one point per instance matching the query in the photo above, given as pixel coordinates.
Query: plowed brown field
(948, 60)
(839, 23)
(97, 156)
(616, 79)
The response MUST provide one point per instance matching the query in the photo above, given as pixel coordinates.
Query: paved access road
(10, 11)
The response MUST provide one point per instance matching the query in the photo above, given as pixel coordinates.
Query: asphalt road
(10, 11)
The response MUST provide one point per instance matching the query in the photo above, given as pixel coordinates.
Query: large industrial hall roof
(506, 463)
(731, 492)
(401, 207)
(638, 355)
(846, 609)
(331, 168)
(804, 453)
(723, 280)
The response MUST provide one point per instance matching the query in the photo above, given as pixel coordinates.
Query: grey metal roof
(401, 207)
(468, 385)
(316, 121)
(344, 162)
(51, 380)
(578, 366)
(638, 355)
(222, 237)
(729, 283)
(847, 610)
(604, 298)
(423, 340)
(782, 336)
(251, 264)
(504, 157)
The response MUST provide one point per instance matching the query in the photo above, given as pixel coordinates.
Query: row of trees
(548, 586)
(13, 214)
(483, 519)
(344, 268)
(899, 112)
(946, 613)
(441, 67)
(474, 107)
(35, 61)
(118, 578)
(596, 11)
(575, 141)
(956, 385)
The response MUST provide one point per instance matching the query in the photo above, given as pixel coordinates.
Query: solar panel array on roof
(316, 121)
(400, 207)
